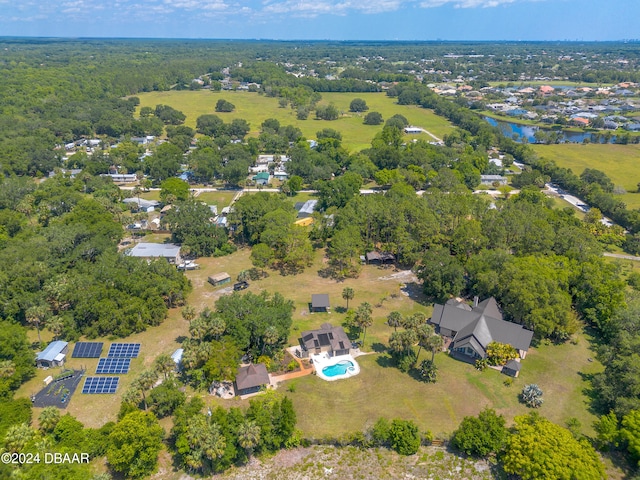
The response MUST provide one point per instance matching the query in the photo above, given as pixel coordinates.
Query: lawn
(619, 162)
(349, 405)
(326, 408)
(256, 108)
(221, 199)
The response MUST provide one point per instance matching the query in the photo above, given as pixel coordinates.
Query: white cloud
(467, 3)
(312, 8)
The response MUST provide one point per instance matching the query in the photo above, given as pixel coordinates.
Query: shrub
(532, 395)
(480, 435)
(404, 437)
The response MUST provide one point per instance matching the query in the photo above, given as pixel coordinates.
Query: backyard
(334, 408)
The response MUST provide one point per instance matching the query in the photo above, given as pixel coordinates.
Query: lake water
(518, 132)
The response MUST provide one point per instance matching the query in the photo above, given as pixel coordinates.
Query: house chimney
(475, 301)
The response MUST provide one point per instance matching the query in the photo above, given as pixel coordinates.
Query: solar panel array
(87, 350)
(113, 365)
(100, 385)
(124, 350)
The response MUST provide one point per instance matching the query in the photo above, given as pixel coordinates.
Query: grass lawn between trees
(619, 162)
(255, 109)
(335, 408)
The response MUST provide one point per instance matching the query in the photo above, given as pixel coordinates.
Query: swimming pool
(339, 368)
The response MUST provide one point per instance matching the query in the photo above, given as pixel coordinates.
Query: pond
(518, 132)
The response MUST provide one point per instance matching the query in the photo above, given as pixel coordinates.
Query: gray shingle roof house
(251, 378)
(472, 329)
(328, 338)
(169, 251)
(53, 355)
(320, 302)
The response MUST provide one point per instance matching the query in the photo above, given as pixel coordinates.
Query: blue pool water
(337, 369)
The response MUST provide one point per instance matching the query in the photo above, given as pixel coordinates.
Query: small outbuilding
(512, 368)
(177, 357)
(54, 355)
(320, 302)
(219, 279)
(251, 379)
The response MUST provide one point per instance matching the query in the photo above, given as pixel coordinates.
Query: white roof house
(169, 251)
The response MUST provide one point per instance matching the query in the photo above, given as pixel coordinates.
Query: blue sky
(325, 19)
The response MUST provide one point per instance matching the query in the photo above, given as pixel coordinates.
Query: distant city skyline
(481, 20)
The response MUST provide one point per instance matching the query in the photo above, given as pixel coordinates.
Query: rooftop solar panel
(87, 350)
(126, 350)
(113, 365)
(100, 385)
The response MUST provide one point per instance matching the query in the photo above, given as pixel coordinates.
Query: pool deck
(323, 360)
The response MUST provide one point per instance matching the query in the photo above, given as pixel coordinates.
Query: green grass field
(221, 199)
(620, 162)
(256, 108)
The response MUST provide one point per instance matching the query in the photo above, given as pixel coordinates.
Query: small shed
(512, 368)
(219, 279)
(251, 379)
(320, 302)
(53, 355)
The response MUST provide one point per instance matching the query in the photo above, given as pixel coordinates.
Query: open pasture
(255, 109)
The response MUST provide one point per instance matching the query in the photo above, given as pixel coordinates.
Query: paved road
(575, 201)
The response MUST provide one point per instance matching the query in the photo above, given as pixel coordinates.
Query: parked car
(240, 286)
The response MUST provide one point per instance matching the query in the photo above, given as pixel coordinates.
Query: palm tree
(17, 437)
(206, 443)
(248, 436)
(270, 337)
(217, 327)
(428, 371)
(164, 364)
(347, 294)
(363, 318)
(144, 382)
(435, 343)
(48, 419)
(136, 193)
(35, 316)
(7, 368)
(188, 313)
(198, 329)
(423, 332)
(401, 342)
(132, 395)
(395, 320)
(55, 325)
(412, 322)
